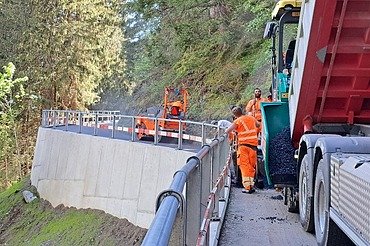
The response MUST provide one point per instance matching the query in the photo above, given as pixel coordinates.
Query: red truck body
(335, 84)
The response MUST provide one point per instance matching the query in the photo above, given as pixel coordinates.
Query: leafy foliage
(74, 53)
(13, 102)
(71, 48)
(71, 51)
(212, 47)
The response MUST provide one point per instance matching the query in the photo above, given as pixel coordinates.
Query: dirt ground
(22, 223)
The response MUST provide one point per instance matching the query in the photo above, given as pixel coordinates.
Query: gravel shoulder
(261, 219)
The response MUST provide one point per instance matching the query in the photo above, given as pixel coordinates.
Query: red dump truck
(321, 116)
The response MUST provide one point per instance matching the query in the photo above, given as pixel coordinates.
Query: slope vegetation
(38, 223)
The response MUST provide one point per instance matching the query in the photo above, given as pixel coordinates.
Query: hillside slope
(38, 223)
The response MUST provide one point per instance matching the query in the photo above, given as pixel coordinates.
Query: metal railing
(191, 211)
(196, 131)
(196, 198)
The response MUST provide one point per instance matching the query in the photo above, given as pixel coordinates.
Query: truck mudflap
(278, 152)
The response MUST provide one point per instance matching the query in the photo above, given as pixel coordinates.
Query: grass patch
(10, 197)
(38, 223)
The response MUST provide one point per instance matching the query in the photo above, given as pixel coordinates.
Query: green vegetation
(116, 55)
(119, 55)
(14, 100)
(9, 198)
(70, 51)
(38, 223)
(212, 47)
(81, 227)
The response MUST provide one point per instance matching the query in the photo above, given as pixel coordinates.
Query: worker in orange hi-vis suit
(253, 106)
(246, 127)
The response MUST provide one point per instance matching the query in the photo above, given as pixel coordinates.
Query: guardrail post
(216, 164)
(223, 152)
(44, 118)
(203, 133)
(206, 183)
(180, 135)
(61, 117)
(193, 204)
(58, 118)
(113, 125)
(66, 119)
(216, 208)
(215, 175)
(80, 122)
(49, 118)
(133, 129)
(96, 124)
(54, 119)
(156, 131)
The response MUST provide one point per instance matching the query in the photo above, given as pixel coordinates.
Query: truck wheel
(327, 232)
(261, 166)
(285, 195)
(305, 203)
(260, 172)
(321, 204)
(291, 200)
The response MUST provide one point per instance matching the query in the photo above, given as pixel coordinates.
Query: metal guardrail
(199, 131)
(191, 211)
(216, 208)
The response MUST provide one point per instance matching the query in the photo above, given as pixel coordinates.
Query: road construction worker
(176, 109)
(246, 127)
(253, 107)
(224, 124)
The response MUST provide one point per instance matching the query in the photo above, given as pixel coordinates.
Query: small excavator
(174, 107)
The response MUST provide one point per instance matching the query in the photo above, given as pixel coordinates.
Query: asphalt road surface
(261, 219)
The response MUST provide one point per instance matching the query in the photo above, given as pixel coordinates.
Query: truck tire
(260, 172)
(327, 232)
(285, 195)
(291, 200)
(238, 176)
(260, 163)
(305, 203)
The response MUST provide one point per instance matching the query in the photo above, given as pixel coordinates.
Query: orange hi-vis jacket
(247, 130)
(254, 107)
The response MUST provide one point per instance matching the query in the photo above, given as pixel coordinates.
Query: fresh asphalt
(260, 219)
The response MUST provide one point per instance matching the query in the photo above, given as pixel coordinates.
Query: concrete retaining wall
(120, 177)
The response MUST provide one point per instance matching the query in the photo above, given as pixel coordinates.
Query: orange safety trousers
(246, 160)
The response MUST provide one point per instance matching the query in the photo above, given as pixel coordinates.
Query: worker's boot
(249, 189)
(248, 183)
